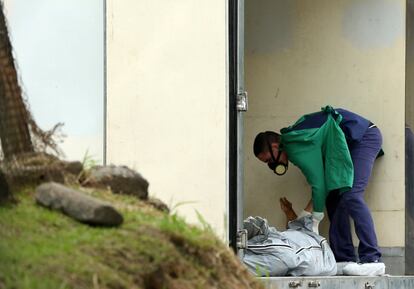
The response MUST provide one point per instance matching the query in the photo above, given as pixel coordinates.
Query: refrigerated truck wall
(170, 84)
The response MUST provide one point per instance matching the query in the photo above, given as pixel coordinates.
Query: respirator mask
(275, 165)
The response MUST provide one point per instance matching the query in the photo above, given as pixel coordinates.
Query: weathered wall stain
(372, 24)
(261, 35)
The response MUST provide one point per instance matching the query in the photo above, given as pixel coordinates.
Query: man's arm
(287, 208)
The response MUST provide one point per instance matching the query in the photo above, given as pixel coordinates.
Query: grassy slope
(40, 248)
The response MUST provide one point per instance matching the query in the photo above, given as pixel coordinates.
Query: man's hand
(286, 207)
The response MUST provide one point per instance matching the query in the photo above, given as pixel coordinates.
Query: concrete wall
(301, 55)
(167, 100)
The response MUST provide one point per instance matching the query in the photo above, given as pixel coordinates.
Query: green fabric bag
(322, 155)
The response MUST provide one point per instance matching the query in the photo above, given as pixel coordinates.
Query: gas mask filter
(275, 164)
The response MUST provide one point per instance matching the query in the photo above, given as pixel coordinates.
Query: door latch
(242, 101)
(295, 284)
(369, 285)
(314, 284)
(241, 239)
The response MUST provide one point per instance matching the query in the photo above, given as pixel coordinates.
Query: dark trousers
(352, 204)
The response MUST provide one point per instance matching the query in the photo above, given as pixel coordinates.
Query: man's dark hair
(262, 140)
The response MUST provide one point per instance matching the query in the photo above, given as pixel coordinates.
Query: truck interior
(289, 58)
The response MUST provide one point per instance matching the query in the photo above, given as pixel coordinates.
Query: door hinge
(241, 239)
(242, 101)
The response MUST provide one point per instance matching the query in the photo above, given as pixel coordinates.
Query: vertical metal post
(238, 104)
(409, 141)
(240, 114)
(105, 102)
(233, 147)
(236, 127)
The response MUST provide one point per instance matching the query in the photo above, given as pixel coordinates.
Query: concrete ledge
(340, 282)
(394, 259)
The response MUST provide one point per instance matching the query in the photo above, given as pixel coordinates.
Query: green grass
(40, 248)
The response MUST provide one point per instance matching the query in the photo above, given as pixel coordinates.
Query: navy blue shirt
(353, 125)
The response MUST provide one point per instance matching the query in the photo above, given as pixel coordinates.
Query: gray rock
(77, 205)
(120, 179)
(74, 168)
(158, 204)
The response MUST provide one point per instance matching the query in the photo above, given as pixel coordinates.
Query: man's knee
(352, 201)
